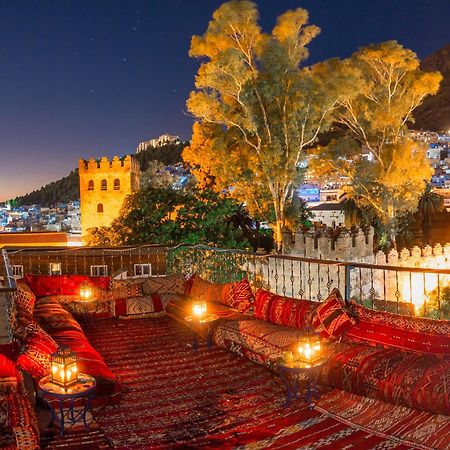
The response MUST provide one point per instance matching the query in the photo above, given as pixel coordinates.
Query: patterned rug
(175, 398)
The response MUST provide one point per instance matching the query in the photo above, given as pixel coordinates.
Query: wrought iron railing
(422, 292)
(403, 290)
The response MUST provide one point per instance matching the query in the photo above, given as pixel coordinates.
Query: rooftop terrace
(174, 397)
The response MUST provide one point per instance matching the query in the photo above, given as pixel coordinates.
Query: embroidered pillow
(286, 311)
(124, 289)
(37, 348)
(332, 318)
(208, 291)
(393, 330)
(170, 284)
(240, 295)
(23, 301)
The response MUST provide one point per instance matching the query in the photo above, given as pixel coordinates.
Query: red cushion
(409, 333)
(88, 359)
(37, 348)
(388, 374)
(43, 285)
(285, 311)
(241, 296)
(332, 318)
(208, 291)
(10, 350)
(7, 367)
(52, 317)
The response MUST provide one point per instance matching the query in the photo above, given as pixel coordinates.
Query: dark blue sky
(91, 78)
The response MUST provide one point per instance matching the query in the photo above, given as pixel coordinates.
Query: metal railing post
(348, 287)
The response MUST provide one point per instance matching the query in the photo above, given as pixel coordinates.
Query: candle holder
(199, 309)
(86, 291)
(64, 367)
(308, 347)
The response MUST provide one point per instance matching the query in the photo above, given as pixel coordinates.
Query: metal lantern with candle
(86, 291)
(199, 309)
(308, 348)
(64, 367)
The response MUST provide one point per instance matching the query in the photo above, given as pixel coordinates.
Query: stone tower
(104, 185)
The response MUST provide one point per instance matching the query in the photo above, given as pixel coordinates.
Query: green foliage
(297, 214)
(257, 108)
(156, 175)
(168, 154)
(388, 86)
(61, 191)
(213, 264)
(163, 215)
(437, 305)
(68, 188)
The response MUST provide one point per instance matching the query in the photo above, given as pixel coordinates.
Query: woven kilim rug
(175, 398)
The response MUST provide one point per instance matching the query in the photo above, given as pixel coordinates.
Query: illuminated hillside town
(225, 224)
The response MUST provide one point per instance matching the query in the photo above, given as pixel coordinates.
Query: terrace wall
(357, 246)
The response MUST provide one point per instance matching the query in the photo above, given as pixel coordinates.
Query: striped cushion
(285, 311)
(332, 318)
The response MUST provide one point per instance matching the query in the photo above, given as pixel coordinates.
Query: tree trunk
(279, 216)
(391, 231)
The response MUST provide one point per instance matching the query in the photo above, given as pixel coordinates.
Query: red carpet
(210, 399)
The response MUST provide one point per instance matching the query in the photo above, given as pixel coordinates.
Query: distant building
(330, 214)
(104, 185)
(164, 139)
(309, 193)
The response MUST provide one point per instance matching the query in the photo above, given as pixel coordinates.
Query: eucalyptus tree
(257, 108)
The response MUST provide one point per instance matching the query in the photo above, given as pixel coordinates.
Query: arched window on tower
(91, 185)
(116, 184)
(100, 208)
(104, 185)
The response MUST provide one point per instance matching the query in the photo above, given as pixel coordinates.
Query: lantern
(308, 348)
(86, 291)
(64, 367)
(199, 309)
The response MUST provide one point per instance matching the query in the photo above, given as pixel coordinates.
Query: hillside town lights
(199, 309)
(86, 291)
(64, 367)
(308, 348)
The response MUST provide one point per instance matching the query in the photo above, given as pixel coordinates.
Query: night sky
(92, 78)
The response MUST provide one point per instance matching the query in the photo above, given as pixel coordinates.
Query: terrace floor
(175, 398)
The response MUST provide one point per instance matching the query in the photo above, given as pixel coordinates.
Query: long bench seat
(397, 359)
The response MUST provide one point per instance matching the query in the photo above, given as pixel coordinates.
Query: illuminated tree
(386, 170)
(257, 110)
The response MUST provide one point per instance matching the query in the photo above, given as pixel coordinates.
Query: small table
(209, 321)
(295, 375)
(85, 309)
(65, 398)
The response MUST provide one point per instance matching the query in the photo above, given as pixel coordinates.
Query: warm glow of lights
(64, 367)
(199, 309)
(415, 288)
(308, 348)
(86, 291)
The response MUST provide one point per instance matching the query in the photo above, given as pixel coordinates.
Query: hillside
(68, 188)
(60, 191)
(434, 113)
